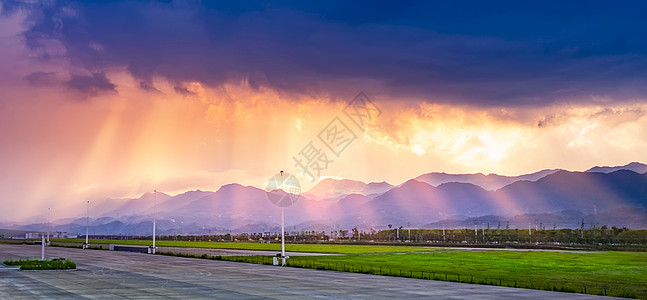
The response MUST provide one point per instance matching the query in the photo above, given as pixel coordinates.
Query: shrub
(48, 264)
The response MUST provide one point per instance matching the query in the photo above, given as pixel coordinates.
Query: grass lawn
(314, 248)
(37, 264)
(621, 273)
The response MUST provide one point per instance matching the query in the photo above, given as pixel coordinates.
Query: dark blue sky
(503, 53)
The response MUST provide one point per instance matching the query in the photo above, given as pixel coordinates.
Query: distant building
(33, 235)
(59, 235)
(54, 235)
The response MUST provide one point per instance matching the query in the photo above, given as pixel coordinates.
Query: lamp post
(279, 197)
(49, 210)
(87, 225)
(154, 219)
(529, 232)
(483, 233)
(42, 247)
(282, 227)
(444, 233)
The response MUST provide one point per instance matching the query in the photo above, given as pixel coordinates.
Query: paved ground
(114, 275)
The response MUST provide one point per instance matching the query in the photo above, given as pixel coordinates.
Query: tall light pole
(529, 232)
(282, 226)
(154, 218)
(87, 224)
(42, 247)
(483, 236)
(49, 210)
(282, 198)
(444, 233)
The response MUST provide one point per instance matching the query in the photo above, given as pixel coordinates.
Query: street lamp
(282, 226)
(152, 250)
(87, 225)
(49, 210)
(444, 240)
(277, 194)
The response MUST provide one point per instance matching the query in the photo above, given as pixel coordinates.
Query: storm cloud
(91, 84)
(473, 53)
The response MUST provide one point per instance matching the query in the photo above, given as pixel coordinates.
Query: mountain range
(613, 196)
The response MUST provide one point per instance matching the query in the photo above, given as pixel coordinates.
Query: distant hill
(489, 182)
(415, 202)
(582, 191)
(374, 188)
(550, 197)
(333, 188)
(141, 205)
(634, 166)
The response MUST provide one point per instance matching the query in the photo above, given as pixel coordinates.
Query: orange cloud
(122, 144)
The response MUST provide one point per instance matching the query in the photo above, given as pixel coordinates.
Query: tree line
(583, 236)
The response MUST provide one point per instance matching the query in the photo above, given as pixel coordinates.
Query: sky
(112, 99)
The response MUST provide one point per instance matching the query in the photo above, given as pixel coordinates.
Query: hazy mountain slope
(335, 188)
(330, 188)
(374, 188)
(416, 202)
(419, 203)
(582, 191)
(413, 203)
(634, 166)
(139, 206)
(487, 182)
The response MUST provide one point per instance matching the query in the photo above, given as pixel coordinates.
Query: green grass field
(621, 273)
(312, 248)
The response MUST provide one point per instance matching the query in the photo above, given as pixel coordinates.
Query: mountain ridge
(412, 202)
(632, 166)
